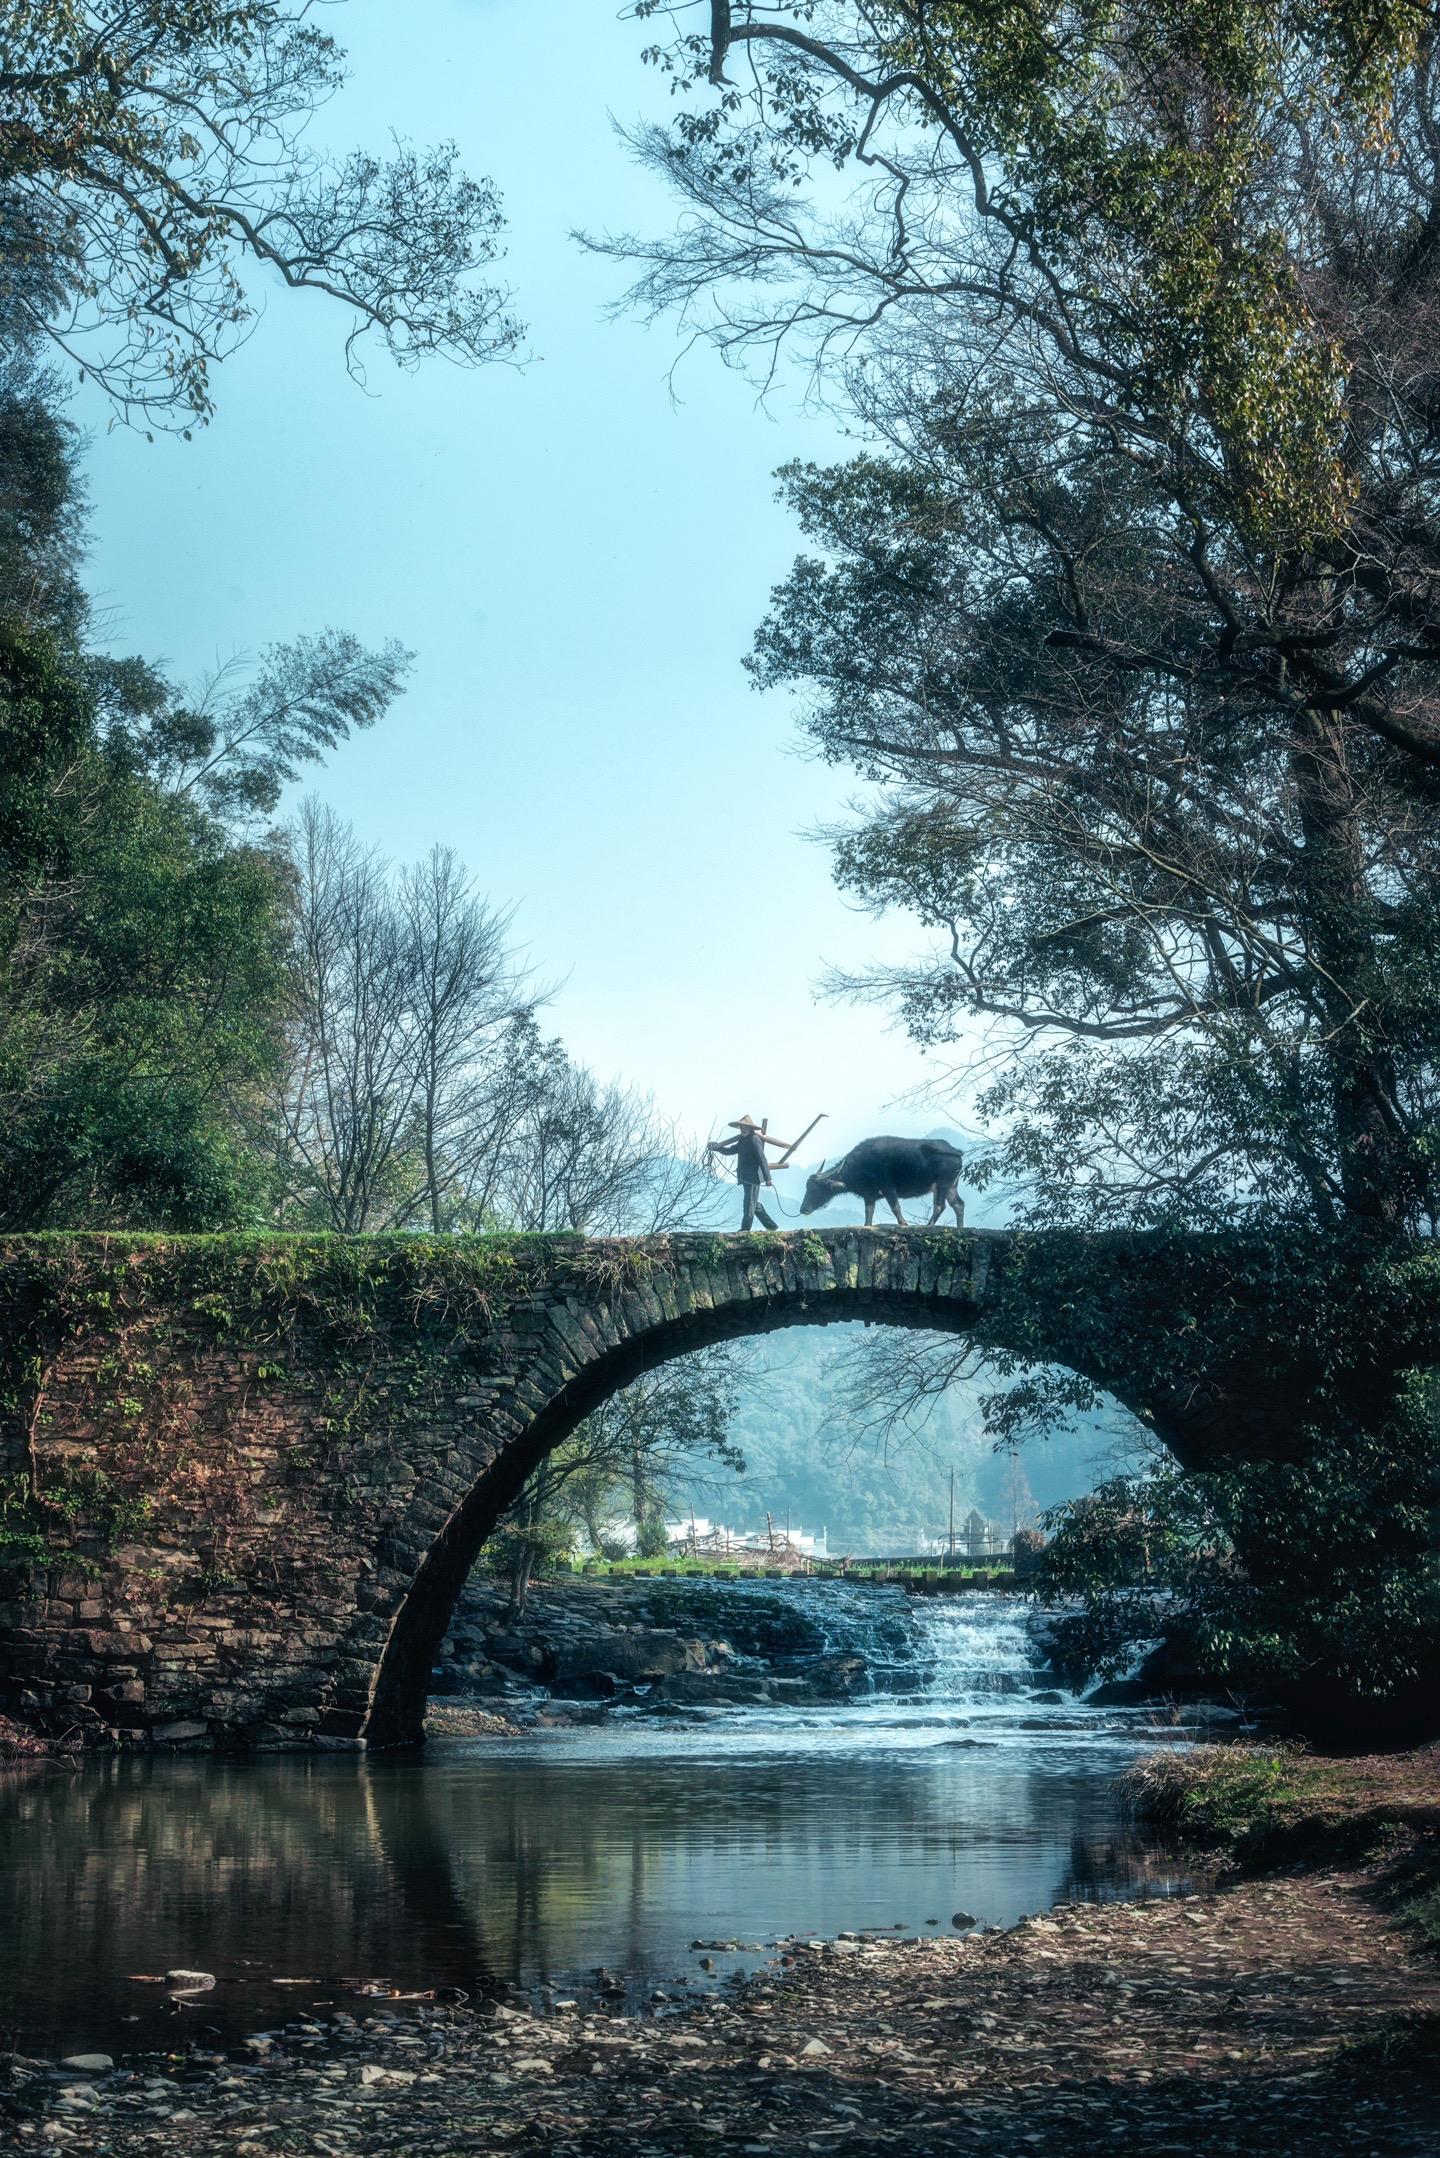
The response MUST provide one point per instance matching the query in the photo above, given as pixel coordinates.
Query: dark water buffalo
(892, 1170)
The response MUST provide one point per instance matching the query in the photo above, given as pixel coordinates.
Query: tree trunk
(1376, 1172)
(520, 1574)
(432, 1180)
(590, 1515)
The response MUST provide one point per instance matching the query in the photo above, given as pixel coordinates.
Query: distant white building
(982, 1537)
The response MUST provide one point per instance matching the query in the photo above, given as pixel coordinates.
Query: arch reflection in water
(541, 1858)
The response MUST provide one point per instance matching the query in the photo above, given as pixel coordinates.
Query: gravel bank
(1272, 2016)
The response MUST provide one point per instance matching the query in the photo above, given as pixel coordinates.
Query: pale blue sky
(578, 562)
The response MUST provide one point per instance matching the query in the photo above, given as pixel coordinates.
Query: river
(537, 1861)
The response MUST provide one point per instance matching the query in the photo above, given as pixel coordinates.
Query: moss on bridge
(240, 1476)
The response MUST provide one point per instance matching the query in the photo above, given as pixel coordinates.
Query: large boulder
(519, 1654)
(1117, 1693)
(711, 1689)
(826, 1678)
(632, 1657)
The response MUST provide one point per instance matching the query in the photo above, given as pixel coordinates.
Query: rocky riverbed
(583, 1648)
(1281, 2016)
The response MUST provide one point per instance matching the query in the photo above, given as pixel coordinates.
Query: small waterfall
(976, 1650)
(963, 1652)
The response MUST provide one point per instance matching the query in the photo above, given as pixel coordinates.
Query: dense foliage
(1127, 620)
(1312, 1583)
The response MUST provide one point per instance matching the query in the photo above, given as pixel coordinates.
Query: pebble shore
(1274, 2016)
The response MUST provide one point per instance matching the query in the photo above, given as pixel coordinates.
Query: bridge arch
(768, 1292)
(264, 1467)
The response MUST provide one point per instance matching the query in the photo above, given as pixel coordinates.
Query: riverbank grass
(1243, 1797)
(1274, 1805)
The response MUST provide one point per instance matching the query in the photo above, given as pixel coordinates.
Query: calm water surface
(536, 1860)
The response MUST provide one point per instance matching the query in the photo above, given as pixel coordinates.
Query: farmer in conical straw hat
(751, 1167)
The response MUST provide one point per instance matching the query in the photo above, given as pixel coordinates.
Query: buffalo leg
(869, 1213)
(938, 1201)
(892, 1200)
(958, 1205)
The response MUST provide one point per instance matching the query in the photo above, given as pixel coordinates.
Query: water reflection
(528, 1861)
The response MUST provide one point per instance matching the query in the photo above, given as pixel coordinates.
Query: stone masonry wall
(242, 1480)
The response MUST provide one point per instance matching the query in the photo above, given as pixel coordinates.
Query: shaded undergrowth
(1268, 1806)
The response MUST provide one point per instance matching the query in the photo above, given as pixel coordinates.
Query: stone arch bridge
(242, 1479)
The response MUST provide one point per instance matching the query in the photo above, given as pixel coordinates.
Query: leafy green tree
(1309, 1582)
(41, 502)
(537, 1532)
(45, 725)
(628, 1456)
(1141, 581)
(139, 1006)
(1133, 191)
(1128, 622)
(145, 953)
(233, 745)
(156, 157)
(1205, 933)
(652, 1538)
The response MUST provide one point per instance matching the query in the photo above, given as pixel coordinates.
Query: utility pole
(952, 1516)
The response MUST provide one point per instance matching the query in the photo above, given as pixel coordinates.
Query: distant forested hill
(808, 1457)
